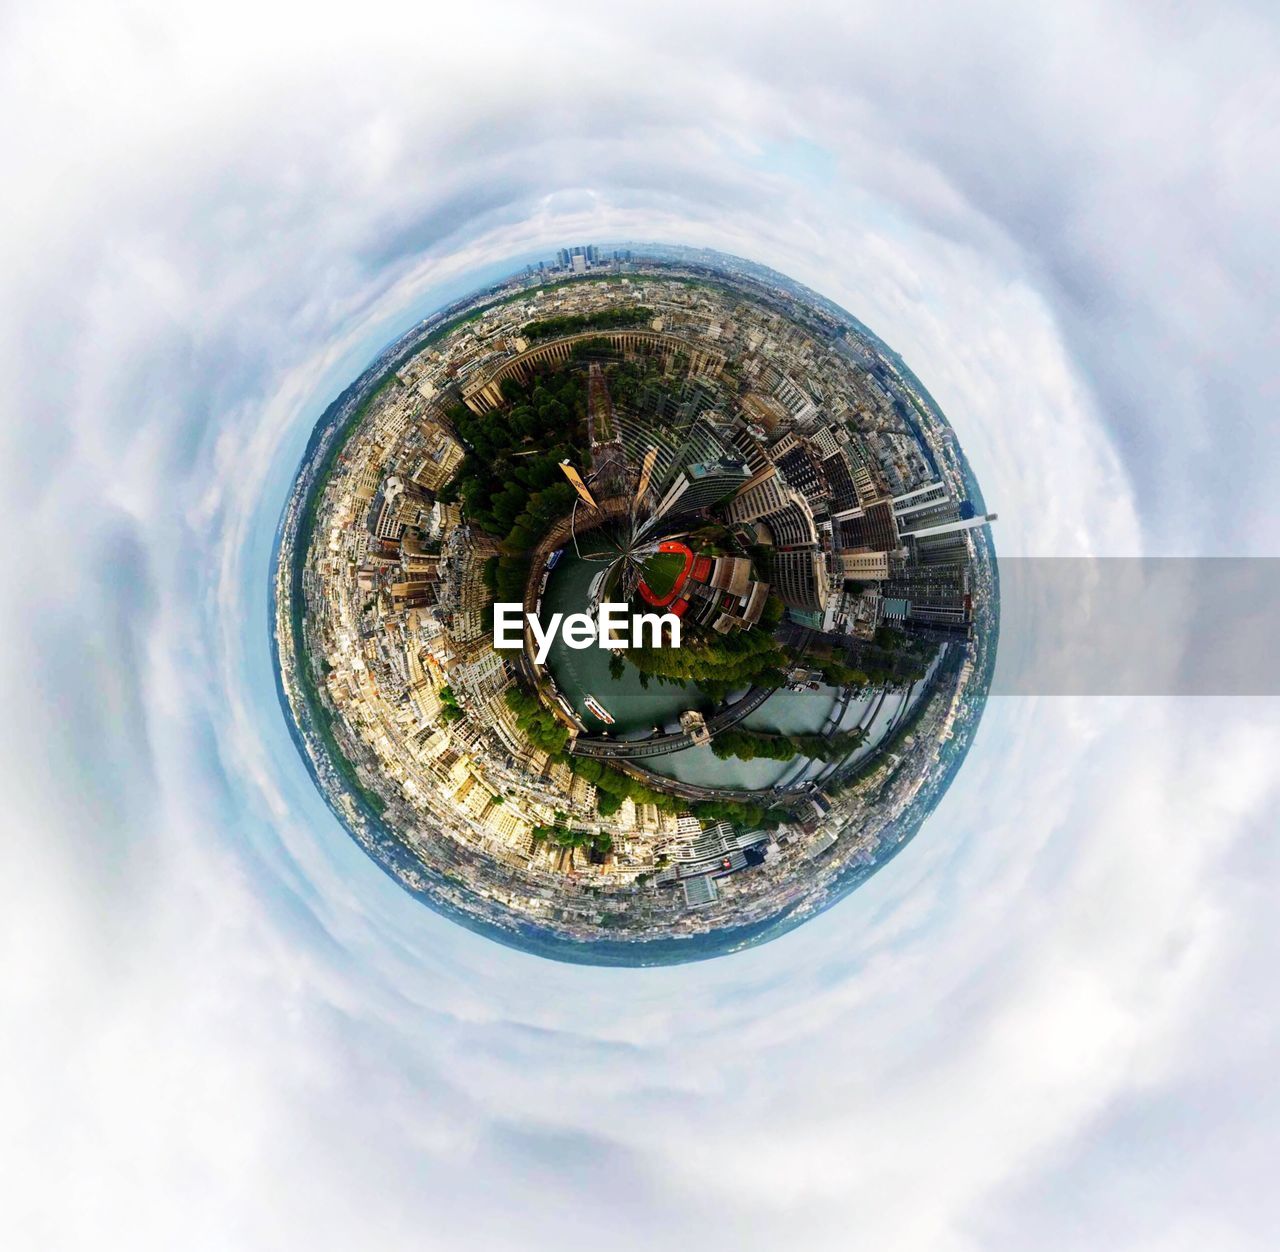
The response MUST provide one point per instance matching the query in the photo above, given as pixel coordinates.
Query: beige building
(865, 566)
(765, 493)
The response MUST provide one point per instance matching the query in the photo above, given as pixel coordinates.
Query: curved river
(637, 711)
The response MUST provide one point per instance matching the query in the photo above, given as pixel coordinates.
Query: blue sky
(1049, 1023)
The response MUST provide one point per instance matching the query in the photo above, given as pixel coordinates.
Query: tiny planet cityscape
(636, 608)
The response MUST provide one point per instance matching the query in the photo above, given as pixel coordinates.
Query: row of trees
(746, 745)
(894, 659)
(571, 324)
(837, 674)
(537, 723)
(506, 576)
(613, 787)
(510, 482)
(718, 664)
(598, 842)
(942, 676)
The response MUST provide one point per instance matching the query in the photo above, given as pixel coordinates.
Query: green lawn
(661, 571)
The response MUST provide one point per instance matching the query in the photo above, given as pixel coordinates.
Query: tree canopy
(510, 483)
(570, 324)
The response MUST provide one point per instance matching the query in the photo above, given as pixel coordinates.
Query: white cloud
(226, 1028)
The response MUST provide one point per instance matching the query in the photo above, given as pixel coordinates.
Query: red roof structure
(679, 549)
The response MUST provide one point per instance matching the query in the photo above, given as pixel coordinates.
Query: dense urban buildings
(674, 432)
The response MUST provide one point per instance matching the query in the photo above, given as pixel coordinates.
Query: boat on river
(597, 709)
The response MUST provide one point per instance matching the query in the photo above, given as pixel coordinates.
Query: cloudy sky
(1050, 1023)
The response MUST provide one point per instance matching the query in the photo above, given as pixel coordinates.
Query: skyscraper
(934, 601)
(919, 499)
(939, 527)
(800, 578)
(703, 485)
(765, 493)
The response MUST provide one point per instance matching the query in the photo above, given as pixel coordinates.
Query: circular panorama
(636, 608)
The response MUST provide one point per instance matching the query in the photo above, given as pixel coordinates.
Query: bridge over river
(660, 744)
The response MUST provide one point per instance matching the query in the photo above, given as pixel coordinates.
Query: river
(638, 711)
